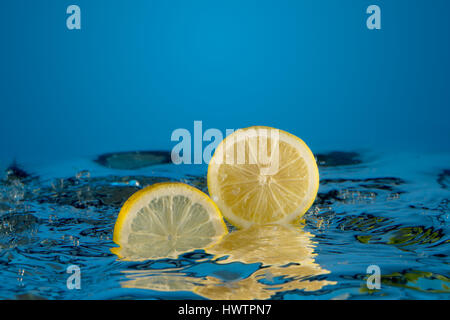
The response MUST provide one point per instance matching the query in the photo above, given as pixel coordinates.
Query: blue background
(137, 70)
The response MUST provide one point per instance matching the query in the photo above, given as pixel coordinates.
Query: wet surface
(338, 158)
(386, 212)
(133, 160)
(444, 179)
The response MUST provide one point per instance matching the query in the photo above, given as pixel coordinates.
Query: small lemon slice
(166, 220)
(262, 175)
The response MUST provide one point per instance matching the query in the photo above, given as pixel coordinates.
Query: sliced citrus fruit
(262, 175)
(165, 220)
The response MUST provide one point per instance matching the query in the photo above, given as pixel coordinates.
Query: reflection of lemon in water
(267, 244)
(263, 175)
(286, 253)
(165, 220)
(159, 281)
(254, 287)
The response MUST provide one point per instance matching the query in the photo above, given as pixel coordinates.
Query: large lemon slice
(262, 175)
(165, 220)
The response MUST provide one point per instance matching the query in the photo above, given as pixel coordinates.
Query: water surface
(389, 210)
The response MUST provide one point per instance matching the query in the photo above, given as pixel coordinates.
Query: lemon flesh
(263, 175)
(166, 220)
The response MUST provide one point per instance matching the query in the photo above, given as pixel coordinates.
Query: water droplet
(134, 183)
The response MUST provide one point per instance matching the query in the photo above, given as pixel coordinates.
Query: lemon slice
(165, 220)
(262, 175)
